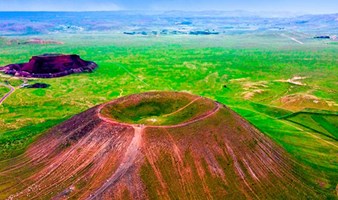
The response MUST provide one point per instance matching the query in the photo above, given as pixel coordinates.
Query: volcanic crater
(162, 109)
(155, 145)
(50, 66)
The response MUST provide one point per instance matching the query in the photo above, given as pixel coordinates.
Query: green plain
(223, 68)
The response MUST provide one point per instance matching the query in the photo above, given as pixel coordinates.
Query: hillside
(158, 145)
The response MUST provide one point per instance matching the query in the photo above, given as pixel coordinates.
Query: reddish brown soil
(216, 156)
(50, 66)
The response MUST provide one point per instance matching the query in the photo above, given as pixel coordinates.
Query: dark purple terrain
(50, 66)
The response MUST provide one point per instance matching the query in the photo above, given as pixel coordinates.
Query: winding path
(12, 89)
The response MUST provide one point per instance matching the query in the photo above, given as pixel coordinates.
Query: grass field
(3, 90)
(251, 74)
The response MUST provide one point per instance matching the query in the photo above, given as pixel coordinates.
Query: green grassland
(321, 123)
(3, 90)
(248, 73)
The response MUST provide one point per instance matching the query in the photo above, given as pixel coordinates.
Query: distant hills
(176, 22)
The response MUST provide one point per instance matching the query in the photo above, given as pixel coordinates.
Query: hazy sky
(304, 6)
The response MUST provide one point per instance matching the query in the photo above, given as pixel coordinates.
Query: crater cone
(50, 66)
(158, 109)
(157, 145)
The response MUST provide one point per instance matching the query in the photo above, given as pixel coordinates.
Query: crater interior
(157, 108)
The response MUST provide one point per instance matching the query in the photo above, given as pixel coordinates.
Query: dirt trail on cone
(128, 160)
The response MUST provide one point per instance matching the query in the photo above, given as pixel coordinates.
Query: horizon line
(184, 11)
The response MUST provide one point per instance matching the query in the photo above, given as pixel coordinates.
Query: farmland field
(286, 89)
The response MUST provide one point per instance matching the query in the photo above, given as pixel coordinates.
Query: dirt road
(12, 89)
(292, 38)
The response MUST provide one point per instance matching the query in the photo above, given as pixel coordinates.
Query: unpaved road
(128, 160)
(12, 89)
(292, 38)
